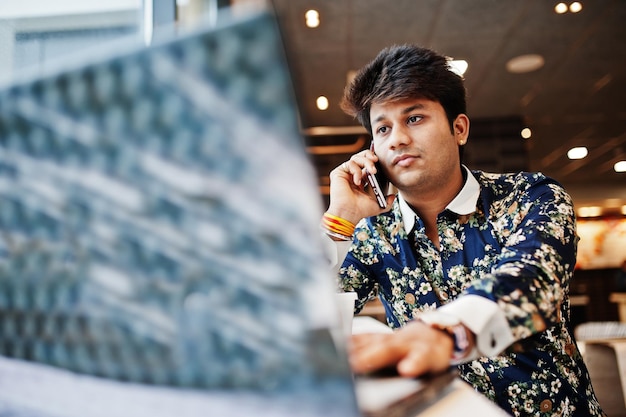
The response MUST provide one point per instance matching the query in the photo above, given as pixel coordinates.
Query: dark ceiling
(578, 98)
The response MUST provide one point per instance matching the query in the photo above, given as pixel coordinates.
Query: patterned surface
(159, 216)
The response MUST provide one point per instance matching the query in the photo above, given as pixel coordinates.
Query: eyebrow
(407, 110)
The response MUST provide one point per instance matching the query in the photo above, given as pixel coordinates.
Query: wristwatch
(454, 328)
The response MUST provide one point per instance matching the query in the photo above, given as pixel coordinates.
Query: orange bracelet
(337, 226)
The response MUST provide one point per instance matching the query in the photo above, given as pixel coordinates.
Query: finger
(428, 350)
(353, 168)
(342, 170)
(359, 341)
(368, 154)
(415, 363)
(369, 360)
(380, 353)
(365, 160)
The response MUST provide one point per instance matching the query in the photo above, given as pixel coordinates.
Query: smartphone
(378, 183)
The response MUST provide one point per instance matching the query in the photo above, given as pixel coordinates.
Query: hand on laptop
(416, 349)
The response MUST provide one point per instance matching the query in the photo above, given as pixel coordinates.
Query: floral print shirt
(517, 249)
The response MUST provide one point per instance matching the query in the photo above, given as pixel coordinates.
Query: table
(463, 400)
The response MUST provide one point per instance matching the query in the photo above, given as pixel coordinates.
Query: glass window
(36, 33)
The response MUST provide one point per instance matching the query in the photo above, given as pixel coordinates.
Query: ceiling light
(322, 103)
(526, 133)
(312, 18)
(458, 66)
(624, 210)
(578, 152)
(560, 8)
(620, 166)
(591, 211)
(525, 63)
(575, 7)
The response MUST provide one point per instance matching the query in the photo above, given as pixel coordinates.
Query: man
(473, 269)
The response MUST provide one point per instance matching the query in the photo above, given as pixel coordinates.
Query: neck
(429, 203)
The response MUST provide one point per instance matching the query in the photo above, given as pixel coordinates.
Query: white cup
(345, 304)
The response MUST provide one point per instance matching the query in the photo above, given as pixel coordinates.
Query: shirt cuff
(486, 320)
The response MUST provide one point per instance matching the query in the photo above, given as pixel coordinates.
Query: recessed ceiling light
(578, 152)
(575, 7)
(620, 166)
(312, 18)
(458, 66)
(560, 8)
(624, 210)
(526, 133)
(525, 63)
(322, 103)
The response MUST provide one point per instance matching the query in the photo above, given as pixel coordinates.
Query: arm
(524, 292)
(349, 201)
(531, 275)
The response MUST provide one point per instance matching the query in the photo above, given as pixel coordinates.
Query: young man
(473, 268)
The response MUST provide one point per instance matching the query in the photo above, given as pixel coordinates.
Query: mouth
(403, 160)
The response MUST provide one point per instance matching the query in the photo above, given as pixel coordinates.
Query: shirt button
(538, 322)
(545, 406)
(409, 298)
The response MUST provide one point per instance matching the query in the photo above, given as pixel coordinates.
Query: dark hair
(401, 72)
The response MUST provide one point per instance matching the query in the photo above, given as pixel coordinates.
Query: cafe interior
(546, 84)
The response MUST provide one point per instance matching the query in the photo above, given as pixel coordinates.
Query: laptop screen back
(159, 221)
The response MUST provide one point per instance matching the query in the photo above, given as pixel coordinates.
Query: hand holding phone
(378, 183)
(377, 189)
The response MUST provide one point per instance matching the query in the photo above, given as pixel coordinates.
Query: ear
(461, 128)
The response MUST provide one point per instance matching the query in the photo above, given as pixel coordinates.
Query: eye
(381, 130)
(414, 119)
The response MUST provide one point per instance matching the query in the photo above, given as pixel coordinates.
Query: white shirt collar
(464, 203)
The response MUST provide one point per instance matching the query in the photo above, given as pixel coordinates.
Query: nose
(399, 137)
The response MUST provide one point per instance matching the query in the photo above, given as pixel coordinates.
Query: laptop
(160, 249)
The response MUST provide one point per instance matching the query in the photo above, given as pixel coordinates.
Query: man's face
(414, 143)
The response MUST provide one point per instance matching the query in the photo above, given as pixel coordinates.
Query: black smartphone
(378, 183)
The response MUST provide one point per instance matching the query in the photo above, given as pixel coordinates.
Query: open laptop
(159, 251)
